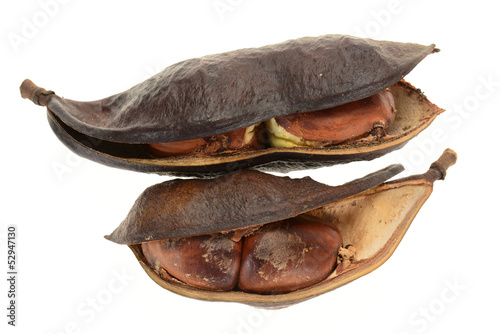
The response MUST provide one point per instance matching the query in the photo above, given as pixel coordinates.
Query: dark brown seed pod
(241, 203)
(212, 96)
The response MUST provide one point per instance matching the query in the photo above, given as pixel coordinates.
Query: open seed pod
(244, 108)
(255, 238)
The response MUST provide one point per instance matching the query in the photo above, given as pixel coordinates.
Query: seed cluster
(277, 258)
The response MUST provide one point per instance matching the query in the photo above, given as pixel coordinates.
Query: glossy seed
(208, 262)
(287, 256)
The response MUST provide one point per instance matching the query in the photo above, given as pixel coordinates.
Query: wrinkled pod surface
(299, 104)
(271, 241)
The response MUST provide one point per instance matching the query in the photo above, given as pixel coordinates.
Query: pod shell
(374, 221)
(415, 113)
(223, 92)
(246, 198)
(219, 93)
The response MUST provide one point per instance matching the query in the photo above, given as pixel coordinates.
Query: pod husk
(219, 93)
(243, 199)
(373, 220)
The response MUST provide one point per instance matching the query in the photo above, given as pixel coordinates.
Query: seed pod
(241, 203)
(210, 97)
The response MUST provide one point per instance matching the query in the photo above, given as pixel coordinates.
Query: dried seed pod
(239, 203)
(215, 95)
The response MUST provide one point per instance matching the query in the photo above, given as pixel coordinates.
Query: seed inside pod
(176, 147)
(246, 138)
(208, 262)
(354, 120)
(278, 258)
(287, 256)
(372, 115)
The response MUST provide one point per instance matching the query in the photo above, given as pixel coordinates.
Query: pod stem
(38, 95)
(437, 170)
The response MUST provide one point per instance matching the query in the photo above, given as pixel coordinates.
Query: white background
(72, 280)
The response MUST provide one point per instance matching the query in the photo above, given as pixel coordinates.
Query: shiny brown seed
(207, 262)
(175, 148)
(287, 256)
(334, 125)
(240, 139)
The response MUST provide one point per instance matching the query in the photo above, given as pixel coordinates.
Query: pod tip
(37, 95)
(445, 161)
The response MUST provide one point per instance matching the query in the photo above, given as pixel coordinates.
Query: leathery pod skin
(349, 218)
(208, 115)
